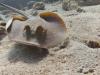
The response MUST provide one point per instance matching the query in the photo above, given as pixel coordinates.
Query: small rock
(93, 44)
(64, 44)
(69, 5)
(85, 71)
(39, 6)
(80, 70)
(96, 64)
(80, 10)
(91, 70)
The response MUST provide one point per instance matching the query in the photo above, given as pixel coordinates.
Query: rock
(69, 5)
(80, 10)
(64, 44)
(39, 6)
(80, 70)
(86, 71)
(91, 70)
(93, 44)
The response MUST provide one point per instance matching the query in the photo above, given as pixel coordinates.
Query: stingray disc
(45, 30)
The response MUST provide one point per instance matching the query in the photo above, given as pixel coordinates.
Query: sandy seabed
(76, 59)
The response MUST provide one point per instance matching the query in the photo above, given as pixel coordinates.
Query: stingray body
(45, 30)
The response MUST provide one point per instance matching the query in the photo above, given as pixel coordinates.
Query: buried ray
(45, 30)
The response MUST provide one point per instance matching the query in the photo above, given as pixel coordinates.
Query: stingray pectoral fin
(15, 10)
(53, 17)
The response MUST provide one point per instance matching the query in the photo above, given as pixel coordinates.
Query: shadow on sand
(27, 54)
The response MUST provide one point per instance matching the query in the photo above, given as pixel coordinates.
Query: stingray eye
(27, 28)
(41, 34)
(39, 29)
(27, 32)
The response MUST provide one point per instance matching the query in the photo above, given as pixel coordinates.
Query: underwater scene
(49, 37)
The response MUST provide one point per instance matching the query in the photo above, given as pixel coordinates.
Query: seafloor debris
(39, 6)
(80, 10)
(93, 44)
(69, 5)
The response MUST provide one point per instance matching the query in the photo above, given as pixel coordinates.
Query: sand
(76, 59)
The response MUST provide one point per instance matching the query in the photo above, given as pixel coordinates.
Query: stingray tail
(15, 10)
